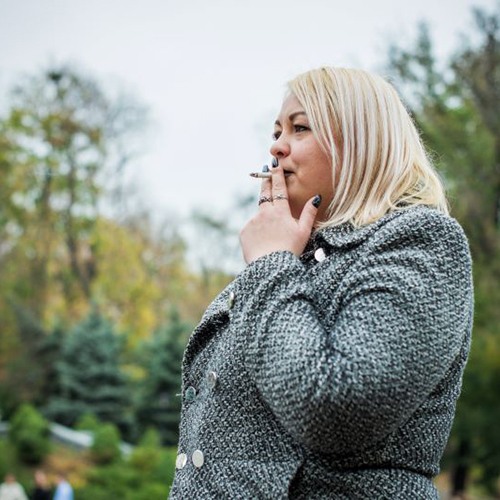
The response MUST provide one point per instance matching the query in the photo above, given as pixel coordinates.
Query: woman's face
(308, 169)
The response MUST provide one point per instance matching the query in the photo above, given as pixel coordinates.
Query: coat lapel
(216, 315)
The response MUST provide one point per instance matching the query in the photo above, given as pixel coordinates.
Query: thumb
(309, 213)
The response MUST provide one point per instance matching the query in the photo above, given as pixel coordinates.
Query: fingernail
(317, 201)
(275, 162)
(265, 168)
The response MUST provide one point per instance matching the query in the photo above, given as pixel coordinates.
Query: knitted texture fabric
(336, 373)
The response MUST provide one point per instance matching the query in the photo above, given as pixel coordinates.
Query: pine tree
(89, 376)
(38, 350)
(160, 403)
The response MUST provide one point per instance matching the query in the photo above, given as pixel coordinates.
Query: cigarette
(261, 175)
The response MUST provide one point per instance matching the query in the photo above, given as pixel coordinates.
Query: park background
(126, 134)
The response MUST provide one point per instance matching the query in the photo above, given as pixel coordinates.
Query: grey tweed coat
(334, 375)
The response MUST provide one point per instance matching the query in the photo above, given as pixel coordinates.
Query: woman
(331, 365)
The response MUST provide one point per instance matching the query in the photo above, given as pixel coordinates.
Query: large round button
(190, 393)
(231, 299)
(319, 255)
(180, 461)
(212, 379)
(198, 458)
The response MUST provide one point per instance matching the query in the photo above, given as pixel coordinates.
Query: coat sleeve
(405, 310)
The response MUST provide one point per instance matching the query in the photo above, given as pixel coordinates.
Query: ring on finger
(265, 199)
(280, 197)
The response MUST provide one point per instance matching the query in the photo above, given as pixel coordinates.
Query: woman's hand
(273, 228)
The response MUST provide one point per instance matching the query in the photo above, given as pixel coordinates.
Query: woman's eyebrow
(291, 117)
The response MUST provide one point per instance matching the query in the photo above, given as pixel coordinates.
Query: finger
(309, 213)
(265, 195)
(279, 190)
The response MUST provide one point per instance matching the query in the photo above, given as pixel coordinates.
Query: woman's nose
(280, 147)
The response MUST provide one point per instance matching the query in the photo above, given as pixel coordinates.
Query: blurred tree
(142, 272)
(159, 403)
(29, 432)
(64, 144)
(30, 375)
(458, 110)
(146, 456)
(89, 377)
(106, 446)
(218, 247)
(215, 252)
(63, 147)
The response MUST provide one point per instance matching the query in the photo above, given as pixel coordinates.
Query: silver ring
(280, 197)
(265, 199)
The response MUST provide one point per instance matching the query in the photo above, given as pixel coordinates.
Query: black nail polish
(265, 168)
(275, 162)
(317, 201)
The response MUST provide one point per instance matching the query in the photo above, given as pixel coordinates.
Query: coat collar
(346, 235)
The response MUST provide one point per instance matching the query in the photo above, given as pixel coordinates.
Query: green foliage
(106, 446)
(125, 480)
(64, 144)
(150, 439)
(88, 422)
(166, 469)
(146, 456)
(89, 376)
(121, 482)
(159, 405)
(458, 110)
(37, 349)
(5, 461)
(29, 433)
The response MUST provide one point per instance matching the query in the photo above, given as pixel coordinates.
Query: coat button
(190, 393)
(180, 461)
(231, 299)
(198, 458)
(212, 379)
(319, 255)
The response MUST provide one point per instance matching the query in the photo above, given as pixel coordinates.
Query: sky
(212, 72)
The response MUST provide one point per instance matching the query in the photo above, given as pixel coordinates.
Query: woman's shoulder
(423, 226)
(418, 224)
(420, 216)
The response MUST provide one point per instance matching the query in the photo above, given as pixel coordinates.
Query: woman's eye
(276, 135)
(300, 128)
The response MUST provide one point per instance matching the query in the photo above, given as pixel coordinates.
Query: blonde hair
(379, 162)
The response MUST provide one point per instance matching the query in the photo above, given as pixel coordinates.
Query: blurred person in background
(64, 491)
(42, 489)
(10, 489)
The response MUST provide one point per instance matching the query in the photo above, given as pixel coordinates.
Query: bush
(147, 455)
(88, 422)
(5, 465)
(109, 481)
(121, 481)
(29, 434)
(166, 469)
(106, 446)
